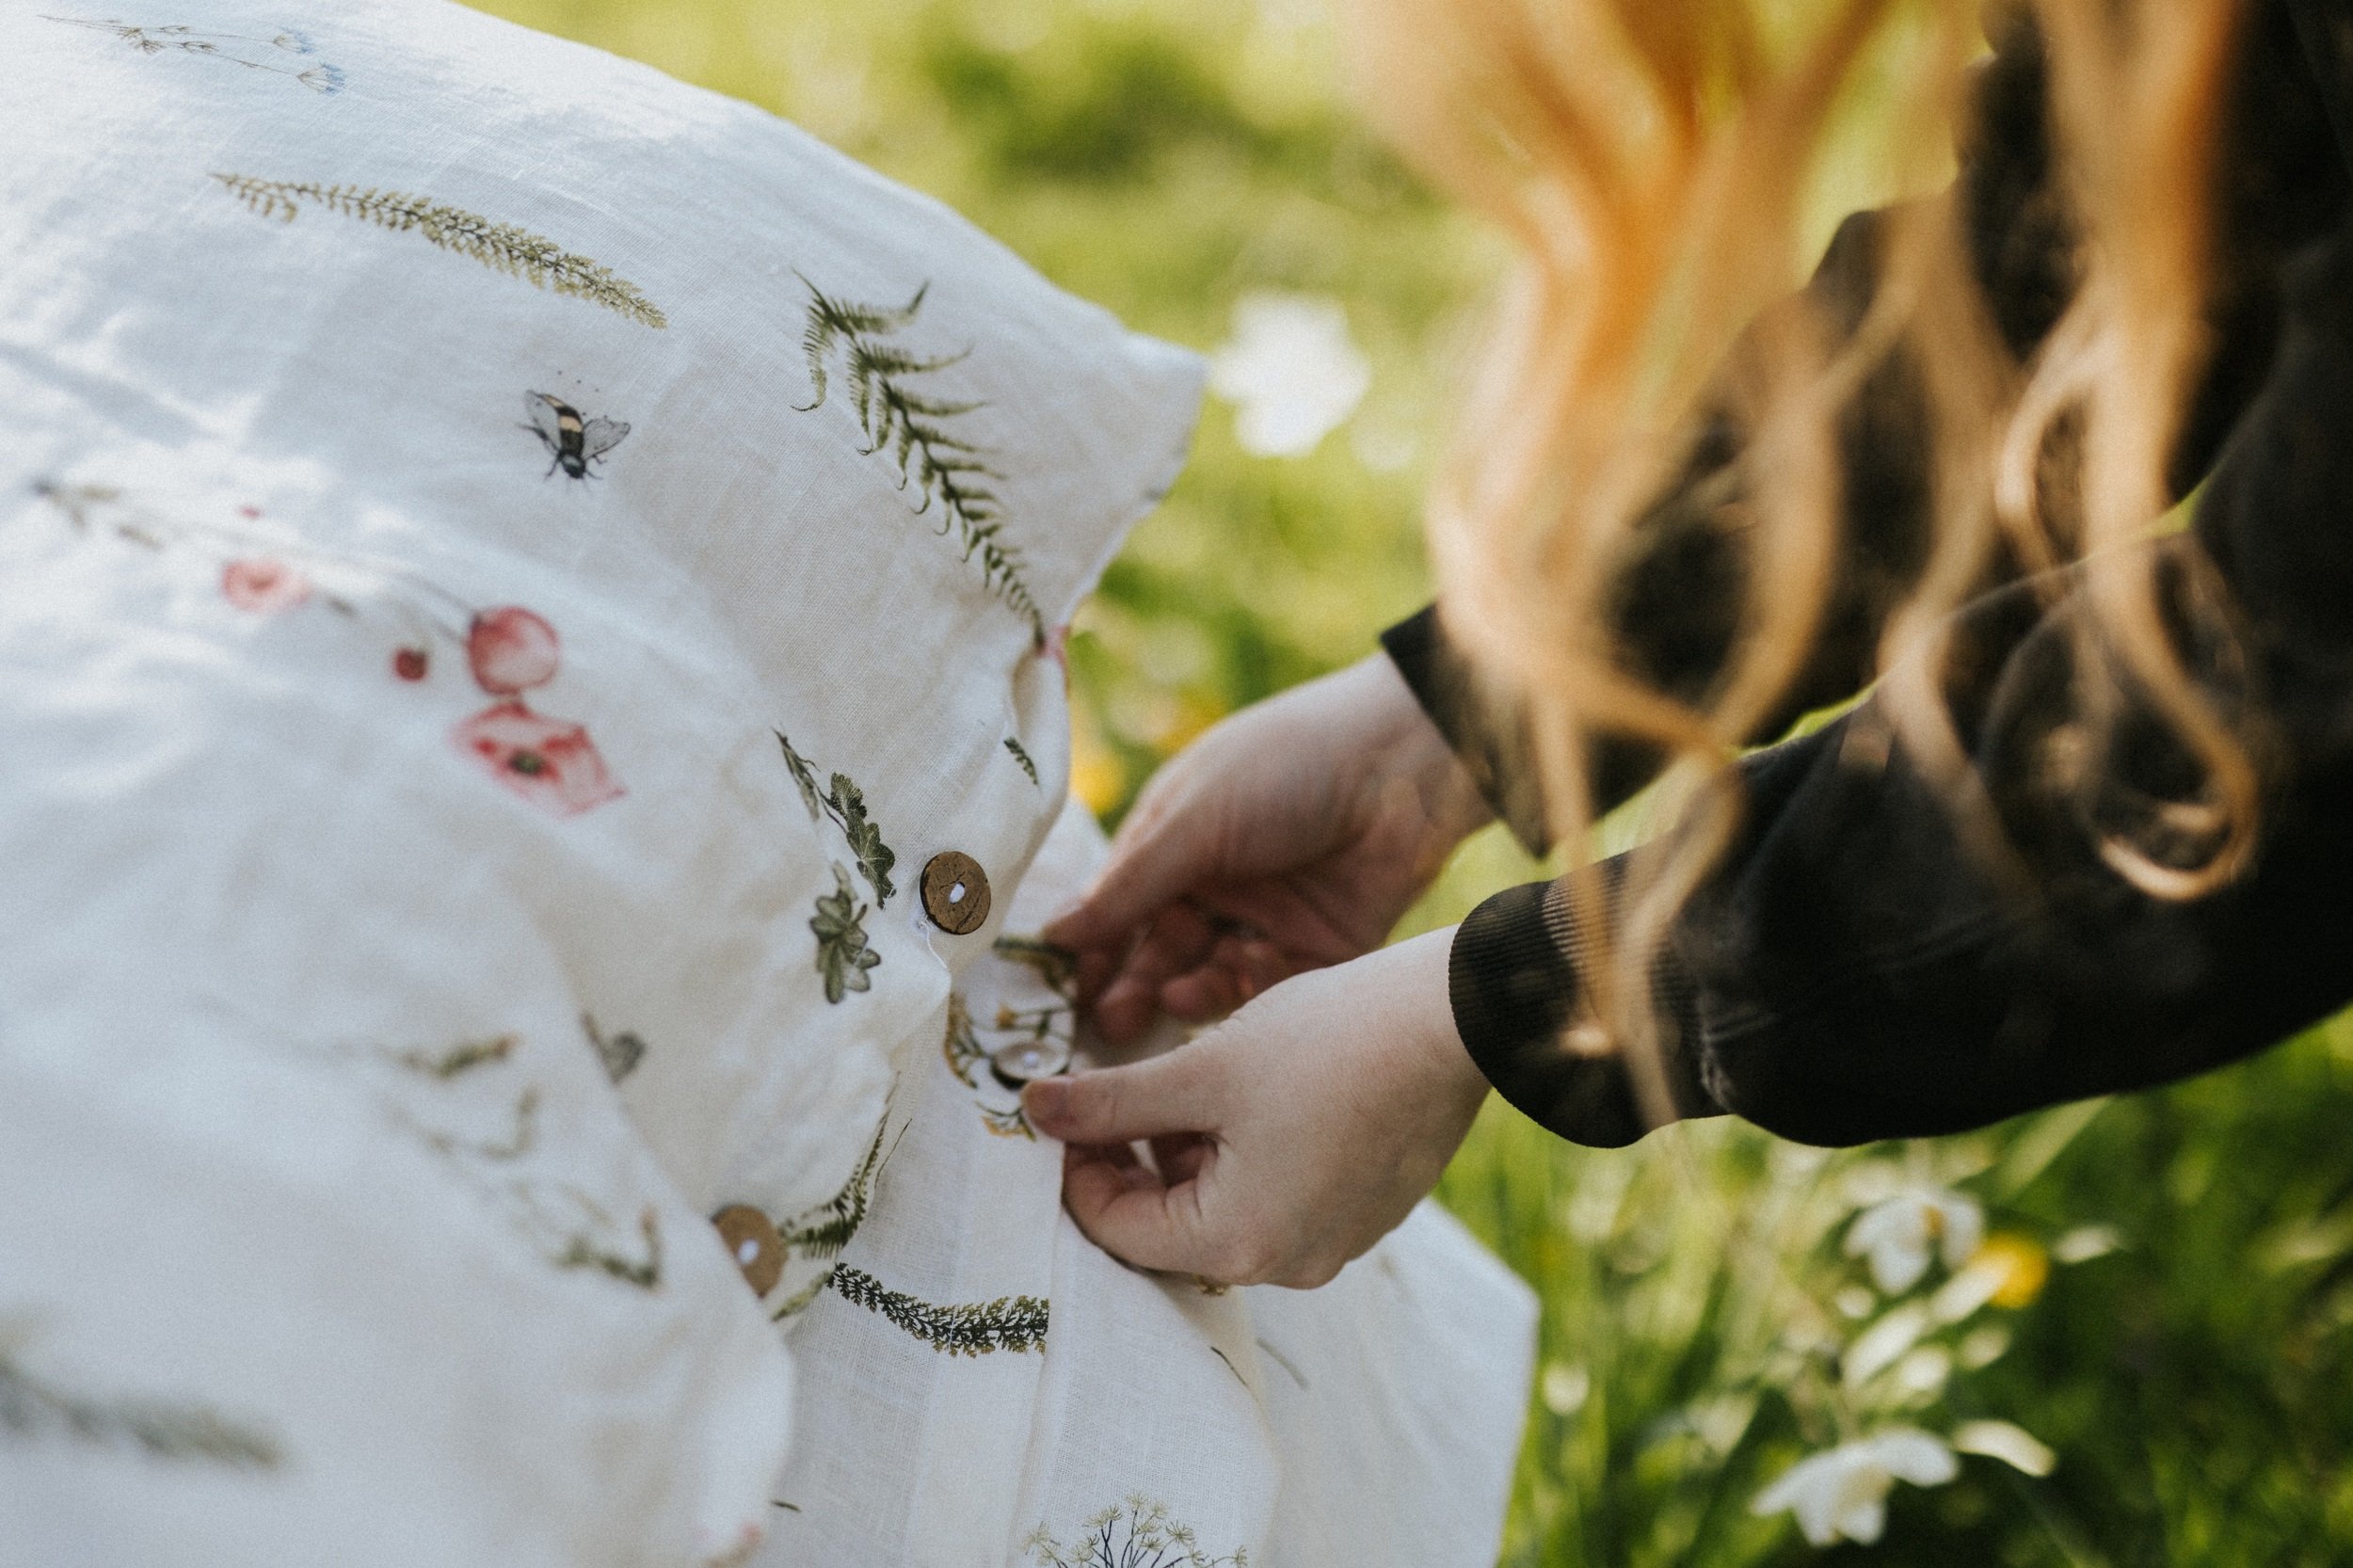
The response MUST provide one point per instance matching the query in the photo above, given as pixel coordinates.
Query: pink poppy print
(553, 765)
(263, 586)
(511, 651)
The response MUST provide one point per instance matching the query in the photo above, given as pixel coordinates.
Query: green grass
(1164, 156)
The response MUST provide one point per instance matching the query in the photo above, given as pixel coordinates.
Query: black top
(1850, 970)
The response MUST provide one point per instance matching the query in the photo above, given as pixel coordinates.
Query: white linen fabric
(991, 1388)
(510, 568)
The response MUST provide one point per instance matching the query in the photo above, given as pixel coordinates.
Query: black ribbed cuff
(1493, 745)
(1511, 977)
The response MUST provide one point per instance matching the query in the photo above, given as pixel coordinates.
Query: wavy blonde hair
(1652, 160)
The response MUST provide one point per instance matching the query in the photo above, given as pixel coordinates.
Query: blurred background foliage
(2165, 1295)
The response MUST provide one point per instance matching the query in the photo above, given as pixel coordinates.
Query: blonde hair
(1650, 160)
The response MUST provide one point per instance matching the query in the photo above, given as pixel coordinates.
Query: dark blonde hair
(1652, 159)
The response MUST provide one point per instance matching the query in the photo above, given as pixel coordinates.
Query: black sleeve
(1851, 970)
(1675, 610)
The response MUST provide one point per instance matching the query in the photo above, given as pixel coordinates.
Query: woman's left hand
(1289, 1139)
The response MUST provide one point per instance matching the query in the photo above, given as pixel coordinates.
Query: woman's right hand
(1290, 836)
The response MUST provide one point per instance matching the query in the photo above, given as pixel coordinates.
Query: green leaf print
(875, 858)
(846, 803)
(805, 775)
(842, 955)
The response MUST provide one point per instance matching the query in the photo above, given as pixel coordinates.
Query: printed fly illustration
(572, 443)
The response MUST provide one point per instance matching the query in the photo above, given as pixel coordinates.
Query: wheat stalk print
(568, 1227)
(326, 80)
(33, 1410)
(502, 247)
(975, 1328)
(945, 469)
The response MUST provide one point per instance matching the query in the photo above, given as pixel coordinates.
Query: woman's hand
(1289, 1139)
(1290, 836)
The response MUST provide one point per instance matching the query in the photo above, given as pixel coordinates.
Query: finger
(1263, 964)
(1179, 1157)
(1237, 972)
(1180, 1091)
(1209, 992)
(1097, 968)
(1169, 855)
(1148, 1222)
(1120, 1158)
(1179, 939)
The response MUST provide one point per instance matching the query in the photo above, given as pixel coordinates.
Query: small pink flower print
(411, 664)
(265, 587)
(511, 651)
(746, 1541)
(248, 511)
(552, 764)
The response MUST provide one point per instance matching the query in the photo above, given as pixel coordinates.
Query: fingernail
(1045, 1099)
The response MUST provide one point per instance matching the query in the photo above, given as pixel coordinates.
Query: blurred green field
(2191, 1370)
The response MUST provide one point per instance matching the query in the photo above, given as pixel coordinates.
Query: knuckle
(1246, 1258)
(1095, 1104)
(1311, 1273)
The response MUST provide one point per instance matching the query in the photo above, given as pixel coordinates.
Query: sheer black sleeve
(1852, 971)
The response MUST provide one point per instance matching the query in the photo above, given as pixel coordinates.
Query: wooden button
(1027, 1061)
(753, 1242)
(955, 892)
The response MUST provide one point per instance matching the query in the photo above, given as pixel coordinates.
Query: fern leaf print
(1014, 1324)
(944, 471)
(824, 1230)
(500, 247)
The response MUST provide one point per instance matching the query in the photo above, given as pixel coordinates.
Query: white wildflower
(1721, 1422)
(1983, 1347)
(1291, 371)
(1843, 1491)
(2013, 1446)
(1979, 1282)
(2085, 1242)
(1884, 1343)
(1565, 1388)
(1919, 1378)
(1898, 1232)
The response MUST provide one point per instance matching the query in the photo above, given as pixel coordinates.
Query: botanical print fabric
(1022, 1399)
(431, 499)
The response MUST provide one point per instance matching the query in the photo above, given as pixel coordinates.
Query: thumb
(1176, 1092)
(1134, 1216)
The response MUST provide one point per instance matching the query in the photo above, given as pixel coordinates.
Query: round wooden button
(753, 1242)
(1027, 1061)
(955, 892)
